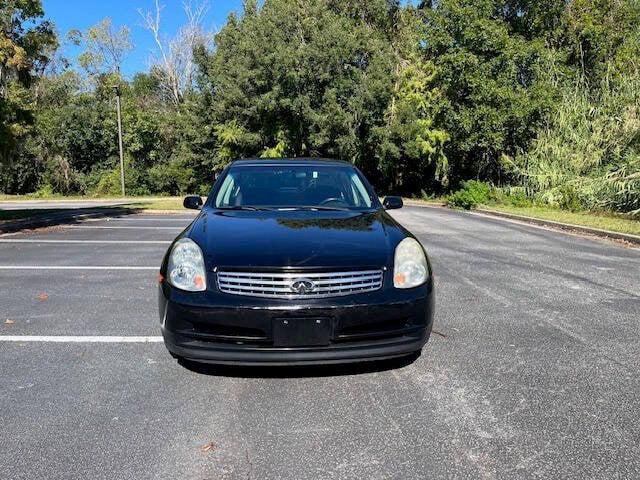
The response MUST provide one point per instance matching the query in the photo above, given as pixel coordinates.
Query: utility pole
(117, 90)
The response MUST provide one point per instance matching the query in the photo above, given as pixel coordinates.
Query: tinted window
(293, 186)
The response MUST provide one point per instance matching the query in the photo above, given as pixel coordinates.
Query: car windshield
(331, 187)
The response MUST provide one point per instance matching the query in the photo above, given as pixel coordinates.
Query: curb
(414, 203)
(567, 227)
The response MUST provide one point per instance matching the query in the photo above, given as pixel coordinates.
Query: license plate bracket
(301, 331)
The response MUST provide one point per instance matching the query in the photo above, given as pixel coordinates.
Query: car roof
(288, 161)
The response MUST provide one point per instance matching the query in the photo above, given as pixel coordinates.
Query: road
(59, 204)
(532, 371)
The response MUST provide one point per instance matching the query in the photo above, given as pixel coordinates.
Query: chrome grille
(299, 285)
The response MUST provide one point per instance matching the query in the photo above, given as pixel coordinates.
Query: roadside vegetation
(522, 105)
(482, 196)
(159, 204)
(600, 220)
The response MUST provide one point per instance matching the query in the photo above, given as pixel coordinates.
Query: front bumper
(231, 329)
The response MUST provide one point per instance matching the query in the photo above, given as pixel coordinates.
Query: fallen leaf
(208, 447)
(43, 296)
(8, 321)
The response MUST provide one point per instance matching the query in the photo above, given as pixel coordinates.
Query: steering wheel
(332, 199)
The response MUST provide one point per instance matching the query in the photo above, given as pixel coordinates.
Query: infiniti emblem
(302, 286)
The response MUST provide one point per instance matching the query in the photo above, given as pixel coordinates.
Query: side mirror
(391, 203)
(194, 202)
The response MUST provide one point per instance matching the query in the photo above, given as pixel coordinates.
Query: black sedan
(294, 261)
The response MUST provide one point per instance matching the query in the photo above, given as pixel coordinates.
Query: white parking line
(125, 227)
(73, 267)
(119, 242)
(80, 339)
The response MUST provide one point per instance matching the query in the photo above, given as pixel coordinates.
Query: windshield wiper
(319, 207)
(244, 207)
(272, 209)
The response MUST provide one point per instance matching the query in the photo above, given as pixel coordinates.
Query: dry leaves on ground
(208, 447)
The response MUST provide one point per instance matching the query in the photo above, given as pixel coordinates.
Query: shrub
(569, 198)
(518, 200)
(61, 178)
(172, 178)
(514, 196)
(472, 194)
(45, 191)
(108, 182)
(588, 155)
(424, 195)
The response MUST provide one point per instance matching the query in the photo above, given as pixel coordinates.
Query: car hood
(296, 238)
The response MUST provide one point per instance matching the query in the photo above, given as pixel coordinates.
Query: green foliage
(60, 177)
(46, 191)
(410, 148)
(109, 182)
(279, 150)
(511, 196)
(26, 41)
(232, 139)
(172, 178)
(602, 38)
(143, 134)
(82, 130)
(588, 154)
(307, 78)
(471, 194)
(495, 89)
(104, 47)
(540, 98)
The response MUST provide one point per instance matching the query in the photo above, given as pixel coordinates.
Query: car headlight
(185, 269)
(409, 264)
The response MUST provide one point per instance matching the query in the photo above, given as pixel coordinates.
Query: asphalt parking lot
(532, 371)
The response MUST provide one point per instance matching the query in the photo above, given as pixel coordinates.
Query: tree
(495, 88)
(295, 78)
(105, 47)
(602, 38)
(540, 95)
(410, 146)
(174, 66)
(26, 40)
(586, 155)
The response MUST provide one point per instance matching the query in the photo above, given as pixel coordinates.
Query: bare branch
(173, 64)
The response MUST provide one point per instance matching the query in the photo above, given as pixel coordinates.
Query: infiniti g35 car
(294, 261)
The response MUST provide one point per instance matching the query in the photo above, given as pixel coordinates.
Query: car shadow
(299, 371)
(17, 220)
